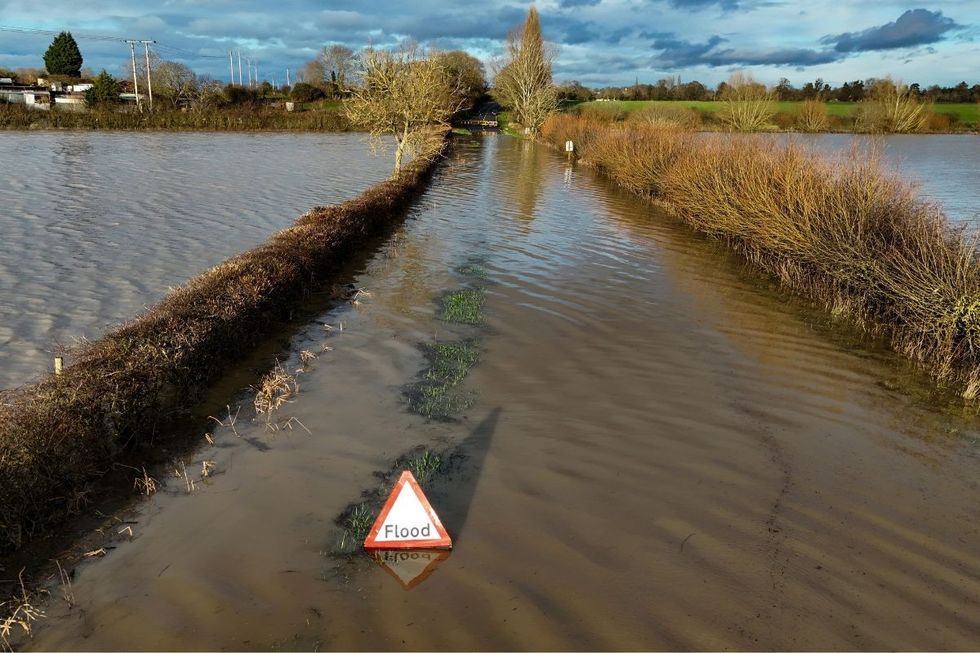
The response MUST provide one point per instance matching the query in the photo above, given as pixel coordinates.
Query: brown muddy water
(95, 226)
(659, 452)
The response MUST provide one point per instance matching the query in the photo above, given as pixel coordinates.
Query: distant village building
(33, 97)
(48, 94)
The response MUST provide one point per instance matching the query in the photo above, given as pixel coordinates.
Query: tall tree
(468, 71)
(404, 94)
(339, 62)
(63, 56)
(523, 80)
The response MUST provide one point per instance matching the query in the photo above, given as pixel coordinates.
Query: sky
(601, 42)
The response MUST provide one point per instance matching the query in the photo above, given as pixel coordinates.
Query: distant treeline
(671, 88)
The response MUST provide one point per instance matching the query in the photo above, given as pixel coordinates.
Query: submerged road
(654, 451)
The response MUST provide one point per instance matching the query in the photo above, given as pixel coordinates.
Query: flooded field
(641, 447)
(97, 225)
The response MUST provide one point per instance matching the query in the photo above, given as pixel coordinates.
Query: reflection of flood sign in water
(410, 567)
(407, 521)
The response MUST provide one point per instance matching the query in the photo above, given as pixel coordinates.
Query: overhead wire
(104, 38)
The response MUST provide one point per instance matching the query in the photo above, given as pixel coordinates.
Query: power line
(104, 38)
(47, 32)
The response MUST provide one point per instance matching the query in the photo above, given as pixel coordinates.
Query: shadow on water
(454, 494)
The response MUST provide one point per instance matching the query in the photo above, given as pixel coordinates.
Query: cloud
(679, 53)
(914, 27)
(601, 40)
(696, 5)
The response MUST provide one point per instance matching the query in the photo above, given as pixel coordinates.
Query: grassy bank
(260, 118)
(842, 116)
(116, 392)
(837, 230)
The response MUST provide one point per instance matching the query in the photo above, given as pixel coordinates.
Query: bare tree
(174, 81)
(748, 104)
(207, 93)
(404, 94)
(523, 81)
(339, 62)
(313, 73)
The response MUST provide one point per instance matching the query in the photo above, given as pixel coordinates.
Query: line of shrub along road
(60, 433)
(837, 230)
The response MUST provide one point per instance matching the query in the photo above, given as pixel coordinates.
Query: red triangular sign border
(407, 481)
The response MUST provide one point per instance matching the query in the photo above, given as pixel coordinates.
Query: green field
(967, 112)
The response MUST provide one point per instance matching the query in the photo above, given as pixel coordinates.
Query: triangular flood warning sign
(407, 521)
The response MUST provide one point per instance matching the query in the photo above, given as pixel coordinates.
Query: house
(33, 97)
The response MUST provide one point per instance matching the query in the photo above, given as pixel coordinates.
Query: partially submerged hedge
(117, 391)
(835, 229)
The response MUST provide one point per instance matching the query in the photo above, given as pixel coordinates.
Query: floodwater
(944, 166)
(95, 226)
(662, 453)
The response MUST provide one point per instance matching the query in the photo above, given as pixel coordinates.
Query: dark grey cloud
(697, 5)
(680, 53)
(914, 27)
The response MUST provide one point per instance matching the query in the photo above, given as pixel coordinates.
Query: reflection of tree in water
(524, 178)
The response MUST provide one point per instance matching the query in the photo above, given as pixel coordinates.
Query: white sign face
(407, 520)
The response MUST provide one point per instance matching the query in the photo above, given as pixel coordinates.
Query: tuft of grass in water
(424, 467)
(356, 526)
(436, 401)
(474, 271)
(20, 612)
(449, 363)
(463, 306)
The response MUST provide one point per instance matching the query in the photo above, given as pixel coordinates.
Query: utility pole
(239, 68)
(231, 68)
(136, 84)
(149, 84)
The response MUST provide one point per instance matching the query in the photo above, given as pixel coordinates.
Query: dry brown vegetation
(60, 433)
(892, 107)
(667, 116)
(748, 104)
(838, 230)
(813, 116)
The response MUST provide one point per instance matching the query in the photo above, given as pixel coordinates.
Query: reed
(59, 434)
(835, 229)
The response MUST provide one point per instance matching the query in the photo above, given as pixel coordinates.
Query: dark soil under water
(654, 451)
